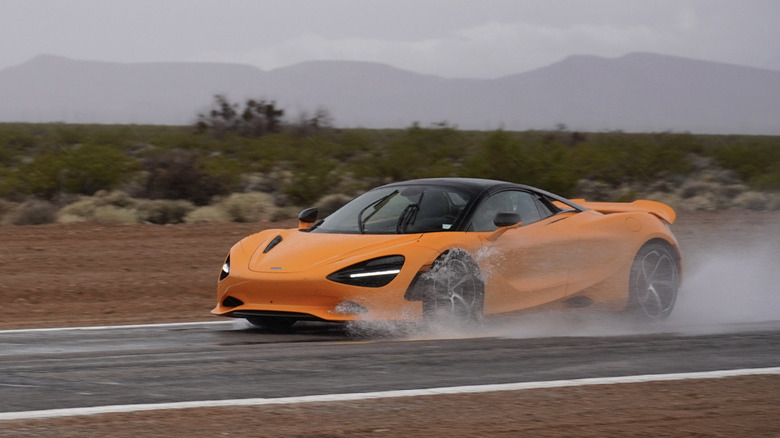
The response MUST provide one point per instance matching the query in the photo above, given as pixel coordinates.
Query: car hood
(299, 251)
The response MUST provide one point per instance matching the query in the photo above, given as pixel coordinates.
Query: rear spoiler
(658, 209)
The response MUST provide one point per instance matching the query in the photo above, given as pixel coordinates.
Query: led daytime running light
(375, 273)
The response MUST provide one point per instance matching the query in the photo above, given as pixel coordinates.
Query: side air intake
(231, 302)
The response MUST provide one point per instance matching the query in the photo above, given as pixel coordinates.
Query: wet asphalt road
(78, 368)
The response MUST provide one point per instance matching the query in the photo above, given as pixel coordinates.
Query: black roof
(472, 185)
(478, 186)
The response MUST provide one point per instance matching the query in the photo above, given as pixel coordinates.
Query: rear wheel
(654, 281)
(456, 291)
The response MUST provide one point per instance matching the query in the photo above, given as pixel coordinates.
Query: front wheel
(654, 281)
(455, 290)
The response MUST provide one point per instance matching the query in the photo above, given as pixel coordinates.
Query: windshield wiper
(406, 218)
(409, 215)
(378, 204)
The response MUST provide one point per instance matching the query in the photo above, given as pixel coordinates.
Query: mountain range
(639, 92)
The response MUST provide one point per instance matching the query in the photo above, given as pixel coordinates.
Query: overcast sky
(450, 38)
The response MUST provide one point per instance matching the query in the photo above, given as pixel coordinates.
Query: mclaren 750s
(455, 248)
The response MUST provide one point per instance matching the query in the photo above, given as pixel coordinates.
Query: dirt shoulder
(734, 407)
(90, 274)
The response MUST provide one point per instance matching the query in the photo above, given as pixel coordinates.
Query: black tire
(455, 292)
(654, 282)
(272, 324)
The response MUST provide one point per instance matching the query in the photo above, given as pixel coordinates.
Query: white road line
(72, 412)
(114, 327)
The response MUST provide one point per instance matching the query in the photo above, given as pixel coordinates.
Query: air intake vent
(231, 302)
(277, 240)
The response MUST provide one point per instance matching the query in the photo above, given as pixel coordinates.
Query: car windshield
(398, 210)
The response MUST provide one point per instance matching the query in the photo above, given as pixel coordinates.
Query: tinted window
(512, 201)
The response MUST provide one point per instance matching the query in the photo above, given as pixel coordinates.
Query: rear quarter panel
(607, 247)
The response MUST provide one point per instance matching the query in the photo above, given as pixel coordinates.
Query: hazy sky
(450, 38)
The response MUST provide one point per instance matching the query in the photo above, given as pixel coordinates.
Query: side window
(512, 201)
(547, 207)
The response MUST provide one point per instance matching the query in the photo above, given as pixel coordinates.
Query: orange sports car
(455, 248)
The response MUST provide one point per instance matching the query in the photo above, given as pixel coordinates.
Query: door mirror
(506, 220)
(307, 217)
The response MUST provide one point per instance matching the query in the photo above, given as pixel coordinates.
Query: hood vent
(276, 240)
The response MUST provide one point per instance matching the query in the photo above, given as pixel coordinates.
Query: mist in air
(723, 290)
(733, 285)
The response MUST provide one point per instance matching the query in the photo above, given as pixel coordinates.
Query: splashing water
(732, 285)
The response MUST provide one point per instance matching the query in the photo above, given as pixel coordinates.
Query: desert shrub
(549, 166)
(40, 176)
(163, 211)
(6, 207)
(694, 187)
(226, 170)
(19, 138)
(330, 203)
(120, 208)
(96, 167)
(116, 198)
(533, 161)
(259, 182)
(351, 143)
(55, 162)
(312, 180)
(626, 195)
(768, 178)
(111, 214)
(707, 202)
(6, 156)
(179, 174)
(102, 207)
(755, 201)
(64, 218)
(248, 207)
(662, 186)
(76, 169)
(284, 213)
(670, 199)
(417, 153)
(756, 161)
(260, 154)
(34, 212)
(81, 210)
(257, 118)
(71, 134)
(731, 191)
(593, 190)
(209, 213)
(617, 158)
(9, 186)
(774, 202)
(682, 142)
(498, 158)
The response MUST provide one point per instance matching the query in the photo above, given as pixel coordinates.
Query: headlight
(371, 273)
(225, 269)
